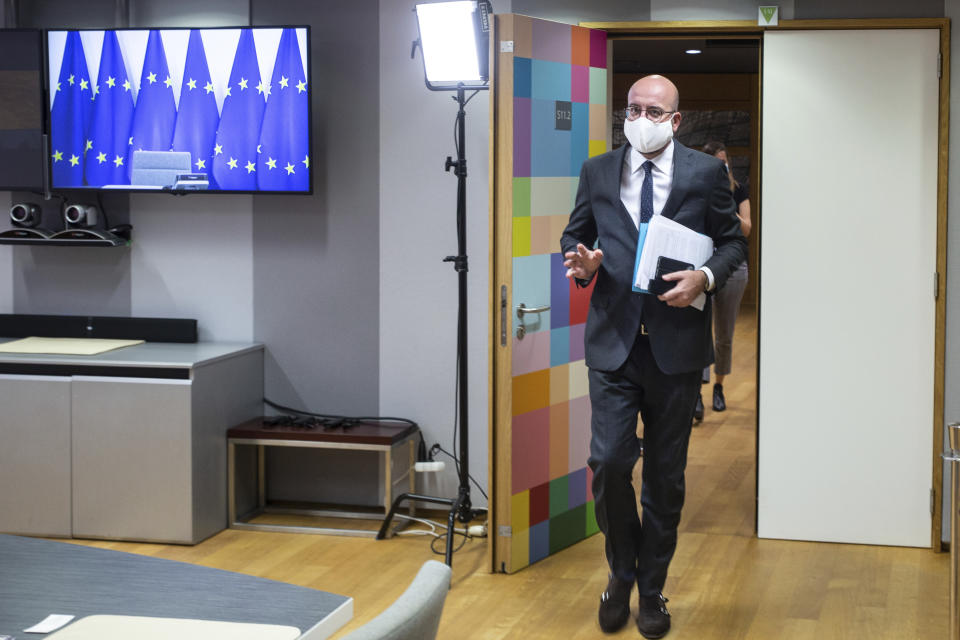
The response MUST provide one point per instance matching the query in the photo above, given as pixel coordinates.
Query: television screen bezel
(44, 124)
(132, 189)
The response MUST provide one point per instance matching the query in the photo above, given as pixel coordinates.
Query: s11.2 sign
(564, 115)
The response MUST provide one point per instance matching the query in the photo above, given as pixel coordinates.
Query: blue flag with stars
(112, 114)
(235, 150)
(70, 115)
(155, 112)
(197, 115)
(284, 162)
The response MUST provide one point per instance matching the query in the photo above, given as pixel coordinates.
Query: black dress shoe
(653, 619)
(698, 410)
(615, 605)
(719, 403)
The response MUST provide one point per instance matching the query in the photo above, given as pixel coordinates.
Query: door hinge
(932, 498)
(936, 285)
(939, 65)
(504, 531)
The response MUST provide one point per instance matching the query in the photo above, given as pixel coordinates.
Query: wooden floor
(724, 583)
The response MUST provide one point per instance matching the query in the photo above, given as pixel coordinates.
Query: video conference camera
(81, 215)
(25, 215)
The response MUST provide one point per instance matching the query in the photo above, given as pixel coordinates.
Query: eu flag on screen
(197, 115)
(70, 115)
(235, 150)
(106, 161)
(155, 112)
(284, 162)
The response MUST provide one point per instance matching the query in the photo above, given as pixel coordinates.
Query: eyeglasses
(654, 114)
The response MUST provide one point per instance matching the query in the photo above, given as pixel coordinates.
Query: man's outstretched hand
(582, 263)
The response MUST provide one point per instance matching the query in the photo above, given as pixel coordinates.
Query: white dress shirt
(631, 181)
(633, 175)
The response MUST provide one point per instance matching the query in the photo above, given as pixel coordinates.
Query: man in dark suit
(645, 353)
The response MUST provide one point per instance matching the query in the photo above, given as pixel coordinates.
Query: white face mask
(646, 136)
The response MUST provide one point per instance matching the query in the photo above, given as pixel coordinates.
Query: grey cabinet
(135, 442)
(132, 464)
(35, 455)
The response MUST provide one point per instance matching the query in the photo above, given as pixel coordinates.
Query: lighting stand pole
(460, 507)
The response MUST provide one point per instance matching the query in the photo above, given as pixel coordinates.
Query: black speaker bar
(31, 369)
(17, 325)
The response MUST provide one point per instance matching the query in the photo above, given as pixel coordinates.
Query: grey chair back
(415, 615)
(158, 168)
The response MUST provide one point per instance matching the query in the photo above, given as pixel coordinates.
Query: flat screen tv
(208, 110)
(21, 110)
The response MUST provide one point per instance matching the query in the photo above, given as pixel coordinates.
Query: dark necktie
(646, 193)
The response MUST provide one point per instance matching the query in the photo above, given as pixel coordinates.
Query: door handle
(522, 310)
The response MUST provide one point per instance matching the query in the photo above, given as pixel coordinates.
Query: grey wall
(192, 257)
(186, 13)
(575, 11)
(71, 281)
(55, 14)
(828, 9)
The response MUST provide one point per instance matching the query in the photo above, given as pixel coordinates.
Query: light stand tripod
(460, 507)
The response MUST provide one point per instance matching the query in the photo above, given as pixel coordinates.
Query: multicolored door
(550, 114)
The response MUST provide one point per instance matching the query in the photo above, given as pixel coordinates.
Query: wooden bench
(388, 440)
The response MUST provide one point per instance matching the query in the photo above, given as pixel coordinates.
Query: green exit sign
(768, 16)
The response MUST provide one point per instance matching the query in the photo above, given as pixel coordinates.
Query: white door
(849, 196)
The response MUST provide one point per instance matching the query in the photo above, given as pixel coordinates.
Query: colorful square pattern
(552, 503)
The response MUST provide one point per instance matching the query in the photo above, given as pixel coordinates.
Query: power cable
(339, 419)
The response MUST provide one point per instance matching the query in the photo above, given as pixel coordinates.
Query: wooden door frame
(615, 29)
(499, 193)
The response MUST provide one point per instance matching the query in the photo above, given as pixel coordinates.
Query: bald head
(654, 90)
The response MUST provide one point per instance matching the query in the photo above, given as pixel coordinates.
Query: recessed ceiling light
(694, 52)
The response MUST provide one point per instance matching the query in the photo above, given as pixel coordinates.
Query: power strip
(429, 467)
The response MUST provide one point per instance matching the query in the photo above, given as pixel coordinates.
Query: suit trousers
(726, 307)
(640, 550)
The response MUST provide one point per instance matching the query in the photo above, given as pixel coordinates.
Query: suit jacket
(700, 198)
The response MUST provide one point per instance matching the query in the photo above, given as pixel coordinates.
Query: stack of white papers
(665, 237)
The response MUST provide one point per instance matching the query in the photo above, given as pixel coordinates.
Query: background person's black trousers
(636, 551)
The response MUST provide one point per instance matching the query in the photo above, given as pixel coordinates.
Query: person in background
(726, 302)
